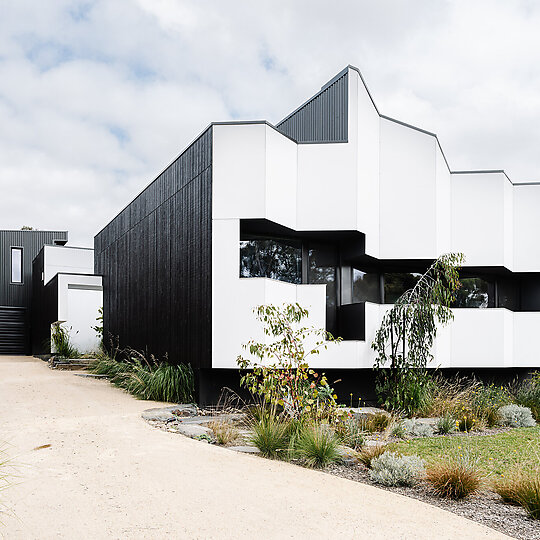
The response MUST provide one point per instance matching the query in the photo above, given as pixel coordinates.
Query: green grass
(162, 382)
(498, 454)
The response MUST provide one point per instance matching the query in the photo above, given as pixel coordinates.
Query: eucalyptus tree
(405, 338)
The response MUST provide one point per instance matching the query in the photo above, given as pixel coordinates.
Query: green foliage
(61, 342)
(455, 478)
(351, 433)
(283, 376)
(486, 400)
(528, 394)
(148, 380)
(271, 433)
(446, 424)
(404, 340)
(391, 469)
(99, 326)
(317, 445)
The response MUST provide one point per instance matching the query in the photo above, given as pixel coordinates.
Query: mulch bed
(485, 507)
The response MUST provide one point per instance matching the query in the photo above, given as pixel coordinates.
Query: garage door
(13, 331)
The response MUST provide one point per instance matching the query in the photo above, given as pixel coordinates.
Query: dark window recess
(508, 294)
(396, 284)
(274, 258)
(322, 269)
(475, 292)
(365, 286)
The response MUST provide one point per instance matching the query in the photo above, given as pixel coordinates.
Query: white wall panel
(478, 211)
(407, 193)
(526, 228)
(67, 259)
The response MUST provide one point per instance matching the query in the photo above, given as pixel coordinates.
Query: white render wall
(391, 182)
(80, 293)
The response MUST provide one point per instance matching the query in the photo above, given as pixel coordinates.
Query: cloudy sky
(96, 97)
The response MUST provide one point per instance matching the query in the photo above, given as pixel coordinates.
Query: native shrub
(283, 376)
(528, 394)
(391, 469)
(516, 416)
(407, 332)
(446, 424)
(415, 428)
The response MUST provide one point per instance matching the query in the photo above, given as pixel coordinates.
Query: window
(396, 284)
(475, 293)
(365, 286)
(16, 265)
(274, 258)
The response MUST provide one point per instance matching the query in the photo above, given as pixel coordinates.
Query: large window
(16, 265)
(396, 284)
(365, 286)
(275, 258)
(475, 293)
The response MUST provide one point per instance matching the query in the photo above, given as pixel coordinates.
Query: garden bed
(499, 450)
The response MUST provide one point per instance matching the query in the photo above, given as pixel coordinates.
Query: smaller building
(43, 281)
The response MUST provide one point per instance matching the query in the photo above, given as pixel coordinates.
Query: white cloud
(97, 97)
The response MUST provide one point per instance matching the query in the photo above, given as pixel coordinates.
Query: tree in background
(404, 340)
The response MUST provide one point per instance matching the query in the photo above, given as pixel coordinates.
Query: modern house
(337, 207)
(43, 281)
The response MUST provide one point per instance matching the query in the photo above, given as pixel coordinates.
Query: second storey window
(16, 265)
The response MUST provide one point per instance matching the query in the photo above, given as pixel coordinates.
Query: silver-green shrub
(516, 416)
(415, 428)
(391, 469)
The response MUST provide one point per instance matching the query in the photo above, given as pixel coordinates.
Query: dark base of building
(352, 386)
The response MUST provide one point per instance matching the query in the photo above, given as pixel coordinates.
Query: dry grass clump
(376, 422)
(454, 479)
(522, 489)
(223, 431)
(448, 396)
(369, 453)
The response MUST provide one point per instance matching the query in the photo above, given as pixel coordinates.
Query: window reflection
(395, 284)
(365, 286)
(474, 293)
(274, 258)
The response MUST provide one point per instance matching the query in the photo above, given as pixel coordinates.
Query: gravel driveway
(108, 474)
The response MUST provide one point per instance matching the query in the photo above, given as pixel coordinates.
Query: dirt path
(107, 474)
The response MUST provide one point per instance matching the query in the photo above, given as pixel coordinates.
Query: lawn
(496, 454)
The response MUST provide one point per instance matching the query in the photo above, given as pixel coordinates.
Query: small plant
(391, 469)
(61, 342)
(466, 419)
(271, 434)
(415, 428)
(528, 495)
(204, 437)
(399, 430)
(528, 394)
(350, 432)
(317, 446)
(446, 424)
(516, 416)
(223, 431)
(369, 453)
(486, 401)
(508, 487)
(281, 374)
(456, 478)
(376, 422)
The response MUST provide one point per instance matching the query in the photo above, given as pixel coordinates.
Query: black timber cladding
(323, 118)
(155, 258)
(16, 294)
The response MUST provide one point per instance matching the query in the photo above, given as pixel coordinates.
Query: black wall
(324, 117)
(155, 258)
(44, 307)
(20, 295)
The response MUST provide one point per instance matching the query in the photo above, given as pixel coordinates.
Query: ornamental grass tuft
(317, 446)
(455, 479)
(270, 433)
(522, 489)
(369, 453)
